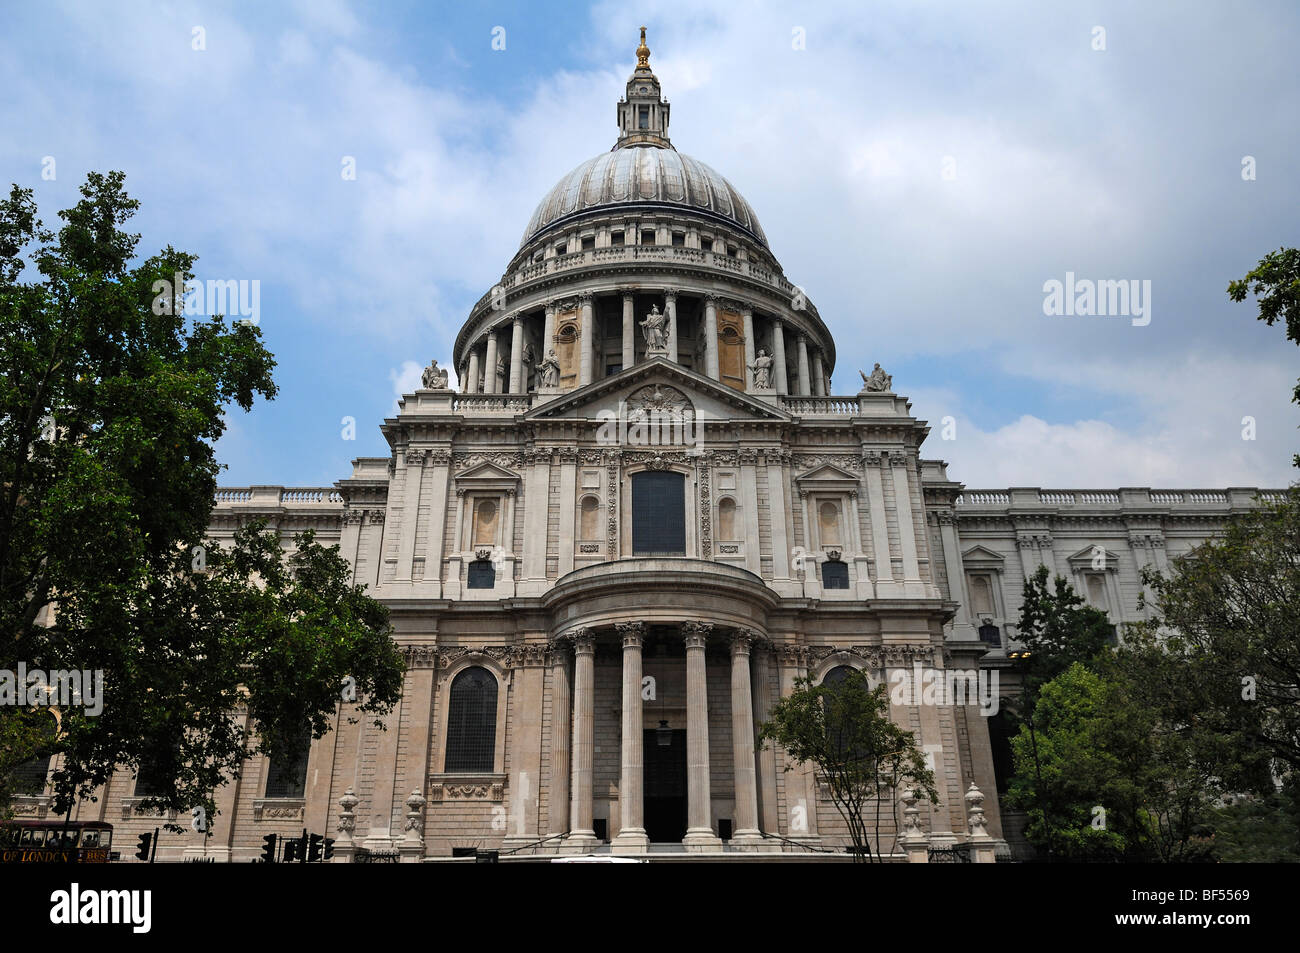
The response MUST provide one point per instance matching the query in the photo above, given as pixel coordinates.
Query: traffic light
(290, 851)
(268, 849)
(329, 848)
(313, 848)
(142, 852)
(301, 851)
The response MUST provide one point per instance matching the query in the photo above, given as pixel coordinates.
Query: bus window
(32, 837)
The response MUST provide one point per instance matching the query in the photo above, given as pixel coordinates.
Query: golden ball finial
(643, 53)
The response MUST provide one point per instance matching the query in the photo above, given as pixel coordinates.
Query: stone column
(490, 370)
(582, 835)
(470, 385)
(962, 625)
(629, 331)
(885, 585)
(747, 320)
(778, 356)
(548, 329)
(746, 833)
(699, 823)
(801, 780)
(632, 837)
(670, 309)
(517, 356)
(818, 375)
(902, 475)
(711, 337)
(768, 818)
(586, 341)
(558, 801)
(801, 357)
(409, 475)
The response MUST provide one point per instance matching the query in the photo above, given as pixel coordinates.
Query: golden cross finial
(643, 53)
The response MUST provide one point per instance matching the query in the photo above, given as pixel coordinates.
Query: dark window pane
(658, 513)
(29, 777)
(287, 775)
(472, 721)
(835, 574)
(151, 780)
(482, 575)
(990, 634)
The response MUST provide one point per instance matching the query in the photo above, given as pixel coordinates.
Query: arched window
(838, 733)
(835, 574)
(589, 525)
(481, 575)
(472, 721)
(828, 516)
(981, 596)
(727, 518)
(658, 513)
(485, 523)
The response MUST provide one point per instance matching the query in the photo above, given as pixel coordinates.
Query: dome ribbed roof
(646, 176)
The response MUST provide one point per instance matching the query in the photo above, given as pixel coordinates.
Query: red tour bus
(55, 842)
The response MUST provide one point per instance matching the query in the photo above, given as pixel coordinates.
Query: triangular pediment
(827, 474)
(707, 399)
(1094, 557)
(978, 557)
(487, 473)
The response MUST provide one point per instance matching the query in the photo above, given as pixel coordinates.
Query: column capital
(516, 320)
(670, 294)
(742, 641)
(583, 639)
(777, 321)
(696, 634)
(633, 633)
(584, 298)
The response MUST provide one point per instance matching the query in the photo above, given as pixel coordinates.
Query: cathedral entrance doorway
(665, 787)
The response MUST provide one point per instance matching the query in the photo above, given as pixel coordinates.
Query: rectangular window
(658, 513)
(588, 244)
(647, 237)
(287, 774)
(643, 117)
(616, 238)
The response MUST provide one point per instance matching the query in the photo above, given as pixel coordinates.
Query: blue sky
(1115, 163)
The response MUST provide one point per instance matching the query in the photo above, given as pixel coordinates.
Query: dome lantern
(643, 112)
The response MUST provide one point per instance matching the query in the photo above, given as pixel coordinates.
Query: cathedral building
(641, 517)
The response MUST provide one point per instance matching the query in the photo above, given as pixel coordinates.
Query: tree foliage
(110, 406)
(1058, 628)
(859, 754)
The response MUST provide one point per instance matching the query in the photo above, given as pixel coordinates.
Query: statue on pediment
(655, 329)
(762, 368)
(434, 377)
(878, 382)
(549, 371)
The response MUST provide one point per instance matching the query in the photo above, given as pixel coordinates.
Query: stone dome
(644, 177)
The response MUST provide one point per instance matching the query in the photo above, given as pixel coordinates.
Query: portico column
(670, 309)
(818, 375)
(471, 384)
(711, 337)
(559, 794)
(517, 356)
(629, 341)
(548, 330)
(632, 837)
(490, 370)
(778, 357)
(742, 742)
(582, 834)
(699, 814)
(747, 319)
(587, 337)
(801, 356)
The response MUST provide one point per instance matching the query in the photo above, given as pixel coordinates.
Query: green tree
(1275, 282)
(1227, 612)
(844, 731)
(111, 399)
(1103, 778)
(1058, 628)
